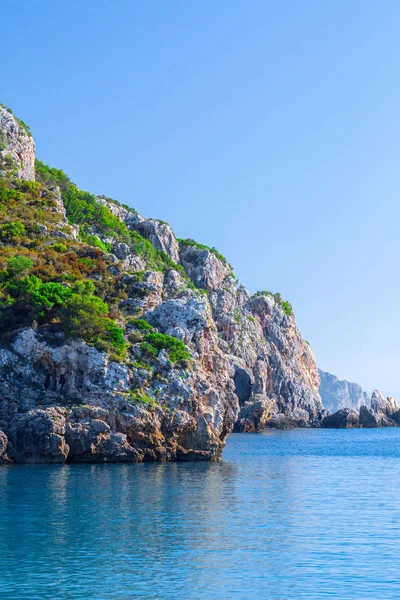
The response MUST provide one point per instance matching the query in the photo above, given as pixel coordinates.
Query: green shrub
(141, 324)
(31, 290)
(3, 141)
(33, 188)
(19, 265)
(139, 397)
(58, 247)
(148, 350)
(114, 335)
(45, 282)
(160, 341)
(287, 307)
(81, 207)
(8, 165)
(86, 317)
(12, 231)
(94, 240)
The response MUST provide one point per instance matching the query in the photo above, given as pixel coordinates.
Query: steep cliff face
(275, 371)
(336, 393)
(121, 343)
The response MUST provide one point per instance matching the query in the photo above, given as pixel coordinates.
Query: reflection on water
(295, 514)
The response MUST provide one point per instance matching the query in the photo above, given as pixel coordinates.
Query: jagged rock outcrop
(17, 147)
(383, 412)
(38, 436)
(344, 418)
(204, 269)
(386, 406)
(157, 232)
(197, 355)
(272, 362)
(4, 459)
(336, 394)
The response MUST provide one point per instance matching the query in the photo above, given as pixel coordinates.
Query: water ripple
(302, 514)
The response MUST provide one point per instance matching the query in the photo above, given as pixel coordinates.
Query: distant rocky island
(120, 342)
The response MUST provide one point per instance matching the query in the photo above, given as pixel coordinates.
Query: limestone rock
(70, 402)
(159, 233)
(345, 418)
(368, 418)
(92, 439)
(255, 415)
(383, 412)
(386, 406)
(204, 269)
(37, 436)
(189, 317)
(17, 144)
(3, 449)
(271, 359)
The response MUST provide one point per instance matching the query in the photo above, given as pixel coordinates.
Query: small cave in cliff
(242, 384)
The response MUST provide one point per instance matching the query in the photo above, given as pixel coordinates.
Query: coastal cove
(305, 513)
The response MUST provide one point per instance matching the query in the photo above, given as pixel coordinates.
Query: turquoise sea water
(303, 514)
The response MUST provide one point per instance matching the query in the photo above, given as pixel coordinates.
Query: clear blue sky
(268, 129)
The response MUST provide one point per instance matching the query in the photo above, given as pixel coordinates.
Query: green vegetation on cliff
(189, 243)
(284, 304)
(64, 286)
(98, 224)
(81, 207)
(49, 278)
(176, 349)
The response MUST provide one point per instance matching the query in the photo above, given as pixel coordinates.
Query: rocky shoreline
(382, 412)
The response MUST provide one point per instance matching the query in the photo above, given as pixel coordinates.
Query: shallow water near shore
(287, 514)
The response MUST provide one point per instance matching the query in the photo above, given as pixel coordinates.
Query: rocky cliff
(120, 342)
(336, 394)
(17, 148)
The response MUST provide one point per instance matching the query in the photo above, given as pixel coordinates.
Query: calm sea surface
(290, 514)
